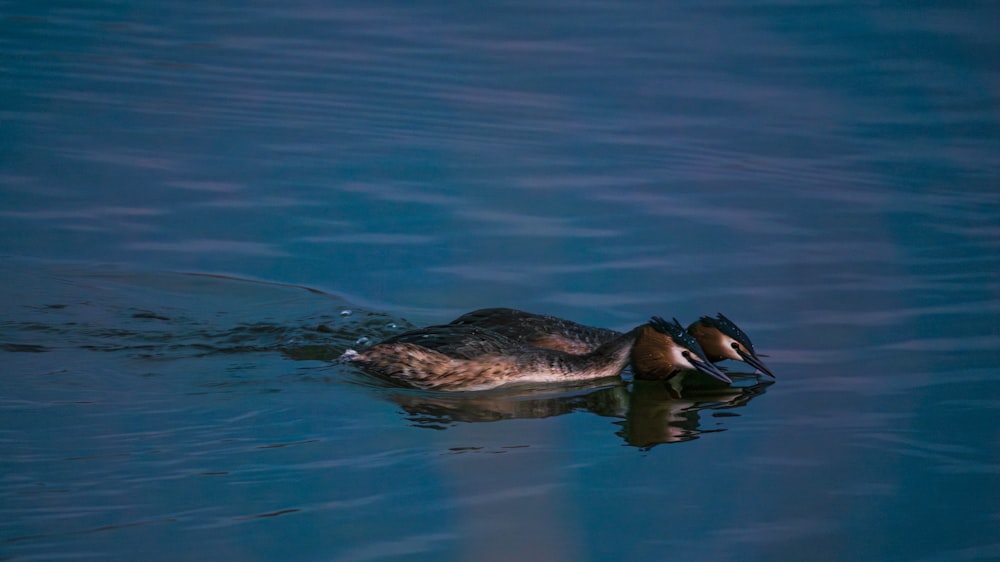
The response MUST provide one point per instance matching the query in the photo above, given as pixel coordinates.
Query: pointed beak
(709, 368)
(755, 362)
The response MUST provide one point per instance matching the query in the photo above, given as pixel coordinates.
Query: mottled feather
(459, 342)
(539, 330)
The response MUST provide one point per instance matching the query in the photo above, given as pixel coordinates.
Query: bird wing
(538, 330)
(458, 341)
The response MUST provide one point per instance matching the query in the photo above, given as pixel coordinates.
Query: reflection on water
(440, 410)
(652, 412)
(657, 414)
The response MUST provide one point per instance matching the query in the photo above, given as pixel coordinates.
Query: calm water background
(191, 193)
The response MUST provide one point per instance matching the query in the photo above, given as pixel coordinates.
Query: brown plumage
(722, 339)
(494, 347)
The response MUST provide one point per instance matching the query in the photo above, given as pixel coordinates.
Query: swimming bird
(720, 338)
(464, 356)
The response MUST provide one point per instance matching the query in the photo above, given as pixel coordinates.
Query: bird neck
(607, 360)
(652, 354)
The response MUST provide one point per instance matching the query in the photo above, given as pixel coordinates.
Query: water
(193, 194)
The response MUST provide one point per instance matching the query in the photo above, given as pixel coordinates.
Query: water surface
(202, 205)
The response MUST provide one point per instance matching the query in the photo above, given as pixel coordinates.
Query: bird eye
(686, 355)
(736, 345)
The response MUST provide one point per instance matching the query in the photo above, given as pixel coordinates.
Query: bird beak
(709, 368)
(755, 362)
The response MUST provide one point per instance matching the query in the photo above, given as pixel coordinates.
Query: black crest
(729, 328)
(676, 333)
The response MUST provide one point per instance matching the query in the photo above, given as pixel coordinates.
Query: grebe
(720, 338)
(463, 356)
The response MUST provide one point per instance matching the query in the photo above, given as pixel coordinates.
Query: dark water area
(203, 205)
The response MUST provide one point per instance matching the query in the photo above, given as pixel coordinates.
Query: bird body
(494, 347)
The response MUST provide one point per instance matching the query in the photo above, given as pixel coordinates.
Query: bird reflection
(650, 412)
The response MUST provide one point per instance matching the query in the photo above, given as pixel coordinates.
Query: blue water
(201, 205)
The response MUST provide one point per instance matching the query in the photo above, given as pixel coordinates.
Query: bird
(720, 338)
(489, 348)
